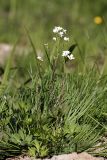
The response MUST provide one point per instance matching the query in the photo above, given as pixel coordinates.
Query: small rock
(5, 50)
(65, 157)
(86, 156)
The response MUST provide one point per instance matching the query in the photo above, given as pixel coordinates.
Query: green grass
(53, 106)
(54, 110)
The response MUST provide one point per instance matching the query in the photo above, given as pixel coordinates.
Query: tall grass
(55, 111)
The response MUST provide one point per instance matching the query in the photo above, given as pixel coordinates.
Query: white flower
(64, 30)
(59, 28)
(66, 39)
(65, 53)
(40, 58)
(61, 34)
(54, 38)
(55, 30)
(71, 57)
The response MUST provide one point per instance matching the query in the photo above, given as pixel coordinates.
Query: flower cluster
(60, 32)
(68, 55)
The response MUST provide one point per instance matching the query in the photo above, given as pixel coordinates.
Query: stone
(73, 156)
(5, 50)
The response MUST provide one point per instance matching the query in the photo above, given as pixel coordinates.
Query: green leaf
(37, 144)
(43, 151)
(15, 138)
(8, 66)
(22, 134)
(72, 47)
(28, 139)
(32, 151)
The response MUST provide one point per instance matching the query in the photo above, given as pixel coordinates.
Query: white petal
(61, 34)
(71, 57)
(66, 38)
(64, 30)
(59, 28)
(54, 38)
(55, 30)
(65, 53)
(40, 58)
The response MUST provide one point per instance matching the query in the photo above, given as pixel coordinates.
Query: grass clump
(54, 111)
